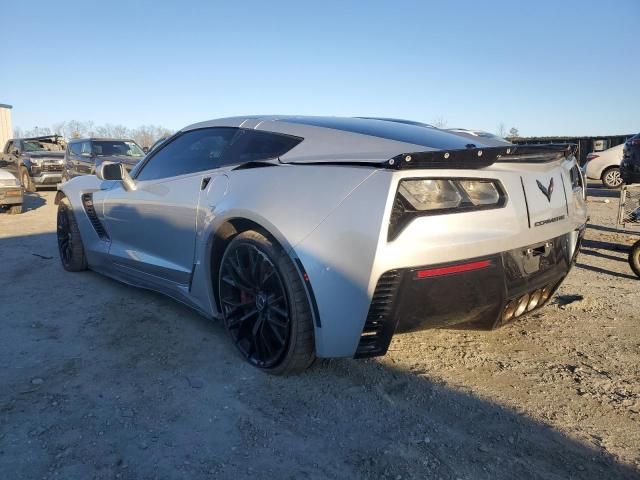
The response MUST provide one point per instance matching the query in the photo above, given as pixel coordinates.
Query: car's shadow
(162, 389)
(33, 201)
(600, 191)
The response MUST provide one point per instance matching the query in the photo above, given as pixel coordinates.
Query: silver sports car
(322, 237)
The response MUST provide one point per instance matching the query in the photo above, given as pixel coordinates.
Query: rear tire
(264, 305)
(611, 177)
(15, 209)
(634, 258)
(69, 240)
(27, 183)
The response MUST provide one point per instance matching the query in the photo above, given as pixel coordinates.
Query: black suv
(83, 155)
(630, 165)
(35, 161)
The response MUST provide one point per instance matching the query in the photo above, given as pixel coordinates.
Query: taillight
(577, 182)
(591, 156)
(634, 141)
(436, 196)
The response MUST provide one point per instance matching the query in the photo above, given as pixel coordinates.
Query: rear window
(256, 145)
(390, 130)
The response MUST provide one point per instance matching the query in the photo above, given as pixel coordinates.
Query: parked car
(322, 237)
(605, 166)
(11, 193)
(36, 161)
(630, 166)
(84, 154)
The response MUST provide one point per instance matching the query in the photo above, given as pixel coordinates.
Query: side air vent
(87, 202)
(381, 322)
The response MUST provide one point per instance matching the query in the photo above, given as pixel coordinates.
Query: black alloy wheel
(634, 258)
(69, 241)
(264, 305)
(65, 240)
(255, 305)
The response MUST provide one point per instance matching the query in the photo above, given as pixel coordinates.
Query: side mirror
(115, 171)
(16, 151)
(145, 149)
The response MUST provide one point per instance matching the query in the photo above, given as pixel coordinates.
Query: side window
(256, 145)
(193, 151)
(85, 148)
(9, 147)
(75, 148)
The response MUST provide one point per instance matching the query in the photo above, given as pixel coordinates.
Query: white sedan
(605, 166)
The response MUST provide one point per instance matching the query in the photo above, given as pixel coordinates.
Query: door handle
(205, 182)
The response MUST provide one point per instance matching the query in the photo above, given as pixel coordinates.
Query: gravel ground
(100, 380)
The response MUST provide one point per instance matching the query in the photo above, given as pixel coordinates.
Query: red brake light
(591, 156)
(634, 141)
(464, 267)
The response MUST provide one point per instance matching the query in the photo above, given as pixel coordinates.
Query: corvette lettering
(549, 220)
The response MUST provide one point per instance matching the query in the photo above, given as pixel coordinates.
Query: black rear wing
(474, 158)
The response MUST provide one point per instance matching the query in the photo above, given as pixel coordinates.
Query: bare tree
(59, 128)
(145, 135)
(502, 131)
(514, 133)
(113, 131)
(76, 129)
(439, 122)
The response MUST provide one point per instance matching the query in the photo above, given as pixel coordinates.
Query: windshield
(37, 146)
(117, 147)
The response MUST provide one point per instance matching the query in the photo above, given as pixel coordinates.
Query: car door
(71, 159)
(5, 159)
(11, 158)
(153, 227)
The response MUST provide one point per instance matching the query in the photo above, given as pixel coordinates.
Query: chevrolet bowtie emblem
(547, 191)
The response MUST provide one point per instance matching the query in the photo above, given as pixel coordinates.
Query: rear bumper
(478, 293)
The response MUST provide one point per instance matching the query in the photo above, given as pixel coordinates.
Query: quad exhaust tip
(526, 303)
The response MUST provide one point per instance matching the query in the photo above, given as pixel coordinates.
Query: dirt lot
(99, 380)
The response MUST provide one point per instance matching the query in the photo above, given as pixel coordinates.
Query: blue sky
(547, 68)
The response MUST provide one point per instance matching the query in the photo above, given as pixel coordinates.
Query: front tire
(69, 240)
(27, 183)
(634, 258)
(264, 305)
(611, 177)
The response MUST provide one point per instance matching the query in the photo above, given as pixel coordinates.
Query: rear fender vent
(87, 203)
(381, 322)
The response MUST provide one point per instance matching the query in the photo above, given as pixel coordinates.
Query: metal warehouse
(6, 129)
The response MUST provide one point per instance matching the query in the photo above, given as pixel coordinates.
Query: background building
(6, 129)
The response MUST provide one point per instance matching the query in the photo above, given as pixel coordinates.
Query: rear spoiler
(474, 158)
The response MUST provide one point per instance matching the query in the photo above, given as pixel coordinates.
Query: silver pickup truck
(36, 161)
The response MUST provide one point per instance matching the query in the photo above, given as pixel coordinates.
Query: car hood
(5, 175)
(45, 154)
(119, 158)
